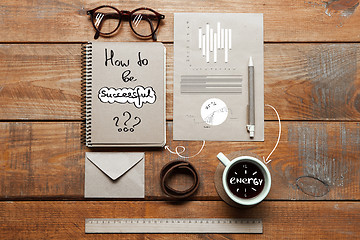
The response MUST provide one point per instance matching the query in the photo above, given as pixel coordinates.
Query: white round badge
(214, 111)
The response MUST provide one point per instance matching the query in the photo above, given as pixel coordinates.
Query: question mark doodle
(139, 121)
(125, 123)
(116, 119)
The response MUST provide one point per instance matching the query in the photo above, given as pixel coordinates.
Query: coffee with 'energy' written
(245, 180)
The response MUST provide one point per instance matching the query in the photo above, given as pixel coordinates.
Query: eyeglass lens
(144, 22)
(106, 20)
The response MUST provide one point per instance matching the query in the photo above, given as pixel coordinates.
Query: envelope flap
(114, 165)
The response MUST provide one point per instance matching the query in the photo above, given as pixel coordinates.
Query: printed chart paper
(211, 59)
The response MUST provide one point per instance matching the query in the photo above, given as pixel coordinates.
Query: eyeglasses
(144, 22)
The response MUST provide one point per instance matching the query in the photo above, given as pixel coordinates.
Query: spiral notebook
(124, 92)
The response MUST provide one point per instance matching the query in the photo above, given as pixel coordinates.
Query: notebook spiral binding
(86, 92)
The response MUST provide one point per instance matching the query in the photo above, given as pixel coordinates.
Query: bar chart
(211, 40)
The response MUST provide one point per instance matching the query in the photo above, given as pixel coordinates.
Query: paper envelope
(114, 175)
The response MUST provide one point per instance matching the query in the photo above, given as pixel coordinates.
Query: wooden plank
(64, 219)
(313, 81)
(314, 161)
(303, 81)
(40, 81)
(284, 20)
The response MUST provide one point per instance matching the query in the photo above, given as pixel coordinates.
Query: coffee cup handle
(223, 159)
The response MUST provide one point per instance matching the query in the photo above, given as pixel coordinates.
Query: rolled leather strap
(172, 168)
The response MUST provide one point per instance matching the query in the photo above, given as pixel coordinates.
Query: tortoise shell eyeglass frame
(97, 21)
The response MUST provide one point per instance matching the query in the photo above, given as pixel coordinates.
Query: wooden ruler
(173, 225)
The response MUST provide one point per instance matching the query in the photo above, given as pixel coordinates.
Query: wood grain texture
(40, 81)
(311, 77)
(64, 219)
(284, 20)
(313, 81)
(302, 81)
(314, 161)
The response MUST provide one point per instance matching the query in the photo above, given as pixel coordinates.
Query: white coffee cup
(246, 159)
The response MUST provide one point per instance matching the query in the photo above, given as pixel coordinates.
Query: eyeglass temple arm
(97, 32)
(154, 37)
(148, 17)
(111, 15)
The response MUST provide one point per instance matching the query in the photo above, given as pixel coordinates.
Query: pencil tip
(251, 63)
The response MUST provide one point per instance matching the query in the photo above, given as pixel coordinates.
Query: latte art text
(253, 181)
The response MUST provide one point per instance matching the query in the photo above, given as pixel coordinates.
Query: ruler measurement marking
(173, 225)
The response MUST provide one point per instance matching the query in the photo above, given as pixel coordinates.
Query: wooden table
(311, 78)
